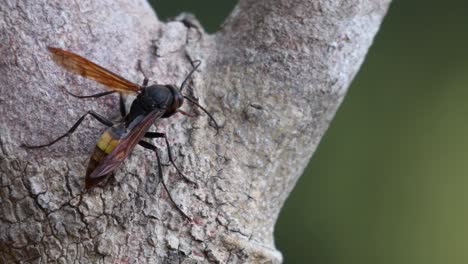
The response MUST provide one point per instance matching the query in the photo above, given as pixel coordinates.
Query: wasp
(120, 138)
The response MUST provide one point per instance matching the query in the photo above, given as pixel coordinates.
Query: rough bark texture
(273, 77)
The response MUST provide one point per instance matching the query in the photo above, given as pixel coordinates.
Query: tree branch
(273, 78)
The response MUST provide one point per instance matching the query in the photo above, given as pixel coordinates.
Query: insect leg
(158, 159)
(154, 135)
(140, 68)
(90, 96)
(145, 144)
(97, 116)
(123, 110)
(169, 152)
(145, 82)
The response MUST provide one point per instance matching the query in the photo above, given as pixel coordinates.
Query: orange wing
(126, 145)
(79, 65)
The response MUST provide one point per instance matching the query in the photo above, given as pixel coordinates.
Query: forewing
(126, 145)
(79, 65)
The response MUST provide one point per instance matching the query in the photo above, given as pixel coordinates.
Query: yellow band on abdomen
(107, 143)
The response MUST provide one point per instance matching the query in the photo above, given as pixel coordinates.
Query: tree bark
(273, 78)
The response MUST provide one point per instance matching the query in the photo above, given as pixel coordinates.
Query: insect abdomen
(104, 146)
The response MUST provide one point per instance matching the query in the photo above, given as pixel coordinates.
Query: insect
(120, 138)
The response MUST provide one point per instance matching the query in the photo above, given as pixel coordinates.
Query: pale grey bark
(273, 77)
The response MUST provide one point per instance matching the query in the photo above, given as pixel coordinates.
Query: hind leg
(169, 152)
(147, 145)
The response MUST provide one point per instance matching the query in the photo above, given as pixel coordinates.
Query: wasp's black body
(163, 100)
(164, 97)
(120, 138)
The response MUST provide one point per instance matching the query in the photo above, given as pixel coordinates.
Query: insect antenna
(197, 64)
(204, 110)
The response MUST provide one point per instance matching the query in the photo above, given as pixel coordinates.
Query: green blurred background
(388, 182)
